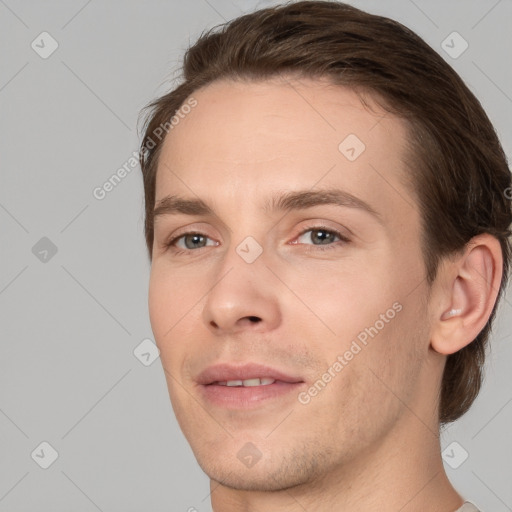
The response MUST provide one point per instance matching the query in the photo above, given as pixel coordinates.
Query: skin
(357, 444)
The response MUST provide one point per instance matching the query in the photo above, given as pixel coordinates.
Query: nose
(243, 296)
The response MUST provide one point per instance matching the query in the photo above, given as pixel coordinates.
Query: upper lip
(225, 372)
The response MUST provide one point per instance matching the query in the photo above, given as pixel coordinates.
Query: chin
(274, 473)
(252, 479)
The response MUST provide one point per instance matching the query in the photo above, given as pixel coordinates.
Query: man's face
(313, 289)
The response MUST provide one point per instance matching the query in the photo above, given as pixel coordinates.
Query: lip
(240, 397)
(224, 372)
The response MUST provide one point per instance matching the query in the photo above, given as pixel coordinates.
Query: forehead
(282, 135)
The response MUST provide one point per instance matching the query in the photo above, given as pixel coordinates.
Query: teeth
(252, 382)
(248, 382)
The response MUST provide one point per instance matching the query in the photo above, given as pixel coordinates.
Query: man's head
(317, 97)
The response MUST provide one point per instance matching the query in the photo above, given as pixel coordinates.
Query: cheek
(163, 315)
(343, 302)
(158, 304)
(174, 314)
(170, 297)
(366, 315)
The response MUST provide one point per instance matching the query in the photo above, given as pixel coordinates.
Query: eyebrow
(293, 200)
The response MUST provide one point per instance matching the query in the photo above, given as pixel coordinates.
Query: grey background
(69, 324)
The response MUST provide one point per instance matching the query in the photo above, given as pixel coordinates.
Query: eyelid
(321, 223)
(318, 227)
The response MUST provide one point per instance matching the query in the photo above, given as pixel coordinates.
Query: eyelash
(171, 244)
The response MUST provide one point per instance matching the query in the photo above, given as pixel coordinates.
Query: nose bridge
(245, 254)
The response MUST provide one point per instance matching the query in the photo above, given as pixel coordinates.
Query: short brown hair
(459, 171)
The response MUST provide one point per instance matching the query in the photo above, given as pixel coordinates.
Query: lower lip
(241, 397)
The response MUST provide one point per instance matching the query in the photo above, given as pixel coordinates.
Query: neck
(403, 472)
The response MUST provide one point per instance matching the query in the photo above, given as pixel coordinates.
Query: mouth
(246, 383)
(246, 387)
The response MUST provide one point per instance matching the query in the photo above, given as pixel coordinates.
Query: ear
(469, 287)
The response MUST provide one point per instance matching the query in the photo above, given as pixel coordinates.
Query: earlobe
(470, 292)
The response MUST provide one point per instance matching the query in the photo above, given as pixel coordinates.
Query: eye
(189, 241)
(321, 236)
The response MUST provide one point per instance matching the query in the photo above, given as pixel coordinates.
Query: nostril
(254, 318)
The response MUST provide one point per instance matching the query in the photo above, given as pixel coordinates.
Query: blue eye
(325, 237)
(191, 241)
